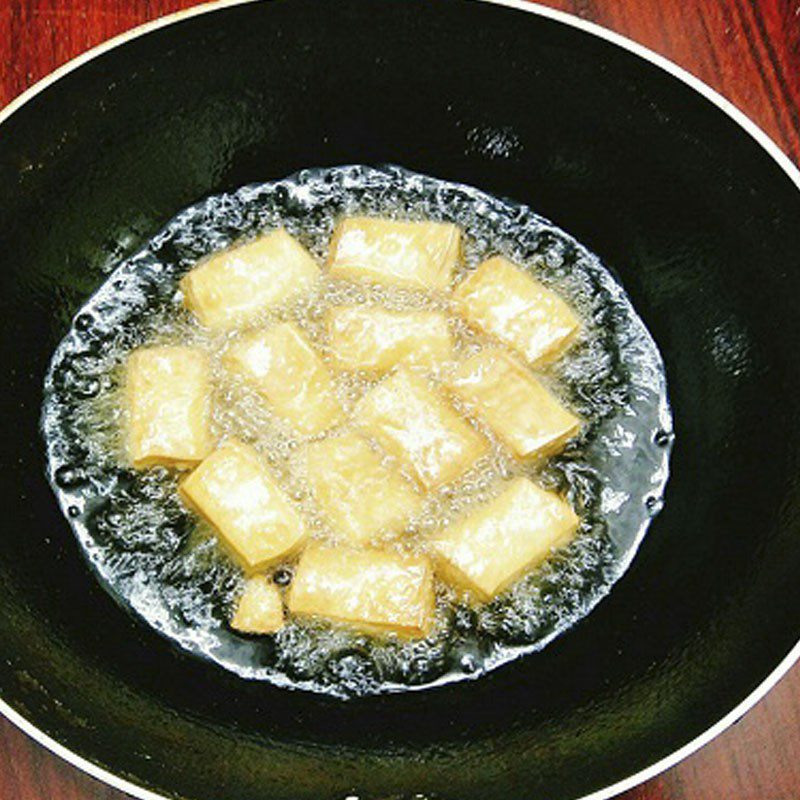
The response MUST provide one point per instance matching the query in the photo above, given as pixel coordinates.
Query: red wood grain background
(749, 50)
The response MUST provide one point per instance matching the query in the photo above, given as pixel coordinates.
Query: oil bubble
(469, 663)
(662, 438)
(282, 577)
(83, 322)
(68, 476)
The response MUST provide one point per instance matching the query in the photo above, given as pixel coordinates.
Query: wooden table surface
(749, 50)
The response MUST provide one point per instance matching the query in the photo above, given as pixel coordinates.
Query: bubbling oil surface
(166, 566)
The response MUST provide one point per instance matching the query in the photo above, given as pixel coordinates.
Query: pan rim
(693, 82)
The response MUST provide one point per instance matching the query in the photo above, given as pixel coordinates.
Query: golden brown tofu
(419, 428)
(417, 255)
(233, 490)
(495, 544)
(515, 405)
(375, 339)
(282, 365)
(358, 494)
(233, 287)
(260, 608)
(504, 301)
(373, 590)
(168, 392)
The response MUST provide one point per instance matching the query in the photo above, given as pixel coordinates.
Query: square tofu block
(371, 589)
(234, 286)
(260, 608)
(504, 301)
(358, 494)
(168, 391)
(253, 517)
(282, 365)
(419, 428)
(495, 544)
(514, 404)
(416, 255)
(374, 339)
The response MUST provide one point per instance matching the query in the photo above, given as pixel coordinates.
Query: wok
(693, 207)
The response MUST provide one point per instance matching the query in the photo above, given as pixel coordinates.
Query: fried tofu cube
(495, 544)
(168, 392)
(514, 404)
(375, 339)
(358, 494)
(282, 365)
(260, 608)
(373, 590)
(419, 428)
(234, 492)
(234, 286)
(504, 301)
(416, 255)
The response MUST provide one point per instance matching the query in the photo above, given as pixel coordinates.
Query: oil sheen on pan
(162, 560)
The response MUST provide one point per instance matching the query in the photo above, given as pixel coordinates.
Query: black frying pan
(698, 214)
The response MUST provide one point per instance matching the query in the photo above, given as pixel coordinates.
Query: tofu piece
(514, 404)
(255, 520)
(234, 286)
(375, 339)
(504, 301)
(416, 255)
(495, 544)
(373, 590)
(260, 608)
(358, 494)
(168, 396)
(419, 428)
(282, 365)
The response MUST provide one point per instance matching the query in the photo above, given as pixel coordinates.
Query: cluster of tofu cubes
(368, 471)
